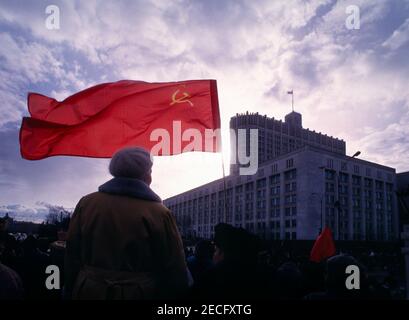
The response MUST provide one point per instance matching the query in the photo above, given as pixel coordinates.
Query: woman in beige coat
(123, 243)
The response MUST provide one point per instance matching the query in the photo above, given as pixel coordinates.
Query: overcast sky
(352, 84)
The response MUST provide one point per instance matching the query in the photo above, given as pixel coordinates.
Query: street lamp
(321, 196)
(323, 193)
(356, 154)
(337, 203)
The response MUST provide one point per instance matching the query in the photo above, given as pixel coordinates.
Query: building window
(291, 199)
(249, 186)
(344, 166)
(329, 187)
(290, 163)
(275, 212)
(274, 179)
(356, 180)
(343, 177)
(292, 144)
(368, 172)
(330, 163)
(368, 183)
(329, 199)
(291, 174)
(274, 168)
(275, 191)
(275, 202)
(261, 193)
(291, 187)
(368, 204)
(261, 183)
(329, 174)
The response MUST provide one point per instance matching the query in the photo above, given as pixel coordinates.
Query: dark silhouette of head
(235, 244)
(3, 224)
(204, 250)
(288, 281)
(30, 244)
(336, 275)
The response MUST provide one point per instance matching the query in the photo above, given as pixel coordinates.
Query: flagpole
(224, 220)
(292, 100)
(220, 148)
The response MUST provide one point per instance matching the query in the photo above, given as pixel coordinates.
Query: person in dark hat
(335, 278)
(234, 274)
(288, 282)
(235, 245)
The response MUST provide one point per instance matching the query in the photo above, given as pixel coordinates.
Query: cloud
(346, 82)
(36, 213)
(30, 61)
(27, 65)
(389, 145)
(399, 37)
(24, 213)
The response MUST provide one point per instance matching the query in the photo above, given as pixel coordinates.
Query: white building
(295, 191)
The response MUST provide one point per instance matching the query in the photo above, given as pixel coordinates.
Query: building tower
(276, 138)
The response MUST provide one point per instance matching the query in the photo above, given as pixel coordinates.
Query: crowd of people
(23, 263)
(278, 273)
(122, 243)
(227, 267)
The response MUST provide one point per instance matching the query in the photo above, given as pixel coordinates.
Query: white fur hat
(131, 162)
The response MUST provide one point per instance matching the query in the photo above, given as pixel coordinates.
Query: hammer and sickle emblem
(180, 99)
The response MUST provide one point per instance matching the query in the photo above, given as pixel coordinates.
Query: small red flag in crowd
(324, 246)
(98, 121)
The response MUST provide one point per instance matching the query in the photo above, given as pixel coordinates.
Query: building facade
(295, 193)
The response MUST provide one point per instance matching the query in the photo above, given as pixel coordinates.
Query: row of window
(288, 132)
(357, 169)
(184, 218)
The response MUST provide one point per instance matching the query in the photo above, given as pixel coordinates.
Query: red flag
(99, 120)
(324, 246)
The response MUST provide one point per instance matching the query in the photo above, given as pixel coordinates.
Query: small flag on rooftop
(292, 99)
